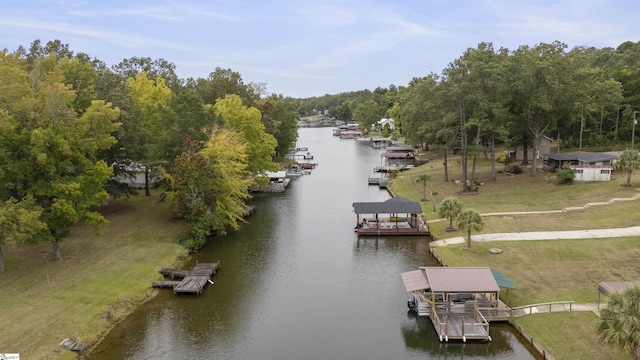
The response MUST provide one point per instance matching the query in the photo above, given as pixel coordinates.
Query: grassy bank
(522, 193)
(578, 344)
(99, 281)
(542, 270)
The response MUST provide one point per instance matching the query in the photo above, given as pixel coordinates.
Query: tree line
(582, 97)
(72, 126)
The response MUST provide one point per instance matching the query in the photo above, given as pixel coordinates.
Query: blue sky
(304, 48)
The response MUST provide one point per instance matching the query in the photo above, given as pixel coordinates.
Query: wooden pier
(193, 281)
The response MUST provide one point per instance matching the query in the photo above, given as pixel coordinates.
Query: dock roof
(396, 155)
(395, 205)
(451, 279)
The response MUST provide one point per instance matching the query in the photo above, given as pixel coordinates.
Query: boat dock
(192, 282)
(382, 182)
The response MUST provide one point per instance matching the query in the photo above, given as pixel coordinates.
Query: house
(588, 166)
(384, 123)
(133, 174)
(544, 148)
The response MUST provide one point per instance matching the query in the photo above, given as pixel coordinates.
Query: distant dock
(192, 282)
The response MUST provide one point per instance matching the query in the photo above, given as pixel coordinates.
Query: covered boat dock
(396, 216)
(460, 301)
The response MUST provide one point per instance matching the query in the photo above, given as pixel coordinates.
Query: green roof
(502, 280)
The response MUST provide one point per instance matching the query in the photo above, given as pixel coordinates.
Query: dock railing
(548, 307)
(482, 324)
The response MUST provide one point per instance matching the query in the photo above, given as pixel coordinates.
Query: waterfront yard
(543, 271)
(99, 280)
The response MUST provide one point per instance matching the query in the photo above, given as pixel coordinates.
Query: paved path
(549, 235)
(545, 235)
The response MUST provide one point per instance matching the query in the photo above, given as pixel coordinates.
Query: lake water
(297, 283)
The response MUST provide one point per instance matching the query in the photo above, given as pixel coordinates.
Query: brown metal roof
(461, 279)
(609, 287)
(414, 280)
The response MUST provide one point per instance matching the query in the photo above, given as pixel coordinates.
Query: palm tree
(469, 220)
(450, 208)
(628, 161)
(434, 195)
(618, 322)
(424, 179)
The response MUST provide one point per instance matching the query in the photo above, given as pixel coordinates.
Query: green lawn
(542, 270)
(99, 281)
(577, 344)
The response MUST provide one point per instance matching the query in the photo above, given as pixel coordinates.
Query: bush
(502, 159)
(566, 176)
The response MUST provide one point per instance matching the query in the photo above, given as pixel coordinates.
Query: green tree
(65, 177)
(151, 99)
(420, 110)
(618, 322)
(487, 94)
(81, 75)
(456, 82)
(367, 114)
(222, 82)
(20, 222)
(449, 209)
(628, 161)
(153, 69)
(424, 180)
(469, 220)
(345, 110)
(209, 185)
(246, 121)
(280, 120)
(188, 117)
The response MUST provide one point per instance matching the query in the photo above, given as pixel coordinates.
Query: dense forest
(72, 125)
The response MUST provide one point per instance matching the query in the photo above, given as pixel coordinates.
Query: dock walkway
(193, 281)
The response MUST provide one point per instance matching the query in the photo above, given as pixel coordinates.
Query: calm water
(297, 283)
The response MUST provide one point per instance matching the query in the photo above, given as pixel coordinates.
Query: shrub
(502, 159)
(566, 176)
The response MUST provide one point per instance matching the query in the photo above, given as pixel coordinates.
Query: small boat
(295, 171)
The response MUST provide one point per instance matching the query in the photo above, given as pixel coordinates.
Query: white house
(385, 122)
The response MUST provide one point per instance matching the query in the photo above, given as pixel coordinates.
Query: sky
(306, 48)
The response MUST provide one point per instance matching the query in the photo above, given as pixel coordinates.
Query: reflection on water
(297, 283)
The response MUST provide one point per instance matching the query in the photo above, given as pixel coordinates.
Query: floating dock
(193, 281)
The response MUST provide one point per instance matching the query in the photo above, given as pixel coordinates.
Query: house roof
(451, 280)
(395, 205)
(583, 156)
